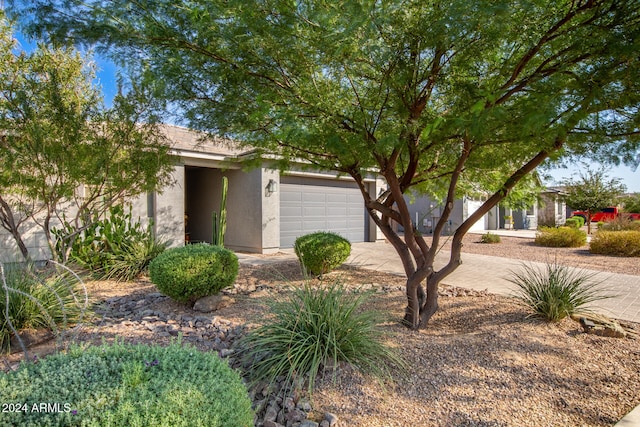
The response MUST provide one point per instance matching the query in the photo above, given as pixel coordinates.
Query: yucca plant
(556, 291)
(316, 328)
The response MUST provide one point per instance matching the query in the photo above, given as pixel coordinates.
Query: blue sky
(106, 78)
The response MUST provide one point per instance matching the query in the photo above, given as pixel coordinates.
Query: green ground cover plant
(618, 243)
(193, 271)
(561, 237)
(313, 329)
(321, 252)
(38, 299)
(556, 291)
(490, 238)
(129, 385)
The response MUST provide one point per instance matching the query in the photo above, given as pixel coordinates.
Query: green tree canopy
(61, 152)
(592, 192)
(441, 97)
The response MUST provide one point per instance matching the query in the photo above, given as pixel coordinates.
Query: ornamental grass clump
(321, 252)
(128, 385)
(38, 299)
(556, 291)
(313, 329)
(561, 237)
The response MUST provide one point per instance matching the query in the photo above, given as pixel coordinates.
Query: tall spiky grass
(556, 291)
(32, 298)
(313, 329)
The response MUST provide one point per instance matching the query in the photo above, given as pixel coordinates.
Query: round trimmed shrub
(193, 271)
(619, 243)
(126, 385)
(573, 222)
(561, 237)
(322, 251)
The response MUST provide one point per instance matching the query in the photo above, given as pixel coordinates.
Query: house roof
(186, 142)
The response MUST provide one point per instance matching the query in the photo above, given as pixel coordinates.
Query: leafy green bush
(620, 243)
(321, 252)
(125, 385)
(114, 248)
(561, 237)
(555, 292)
(581, 220)
(316, 328)
(573, 222)
(193, 271)
(38, 299)
(490, 238)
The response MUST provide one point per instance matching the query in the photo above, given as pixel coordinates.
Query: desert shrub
(555, 292)
(193, 271)
(321, 252)
(125, 385)
(579, 219)
(573, 222)
(490, 238)
(115, 248)
(619, 243)
(313, 329)
(621, 223)
(561, 237)
(38, 299)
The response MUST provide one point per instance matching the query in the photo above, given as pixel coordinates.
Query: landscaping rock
(212, 303)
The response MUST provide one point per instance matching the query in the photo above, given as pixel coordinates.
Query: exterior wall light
(272, 186)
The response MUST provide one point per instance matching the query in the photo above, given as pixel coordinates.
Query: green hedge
(322, 252)
(193, 271)
(125, 385)
(561, 237)
(619, 243)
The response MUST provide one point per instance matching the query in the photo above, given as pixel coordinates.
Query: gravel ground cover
(480, 361)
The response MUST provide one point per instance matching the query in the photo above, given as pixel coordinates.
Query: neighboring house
(426, 212)
(553, 209)
(266, 209)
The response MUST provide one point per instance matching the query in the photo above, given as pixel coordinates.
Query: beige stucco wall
(34, 238)
(252, 213)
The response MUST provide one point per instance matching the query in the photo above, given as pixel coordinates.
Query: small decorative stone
(212, 303)
(332, 419)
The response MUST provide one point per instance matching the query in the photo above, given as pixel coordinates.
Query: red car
(607, 214)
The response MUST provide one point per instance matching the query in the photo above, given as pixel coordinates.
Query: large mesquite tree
(440, 97)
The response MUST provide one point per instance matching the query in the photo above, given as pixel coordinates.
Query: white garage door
(308, 205)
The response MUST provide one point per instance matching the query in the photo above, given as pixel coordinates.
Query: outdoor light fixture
(272, 186)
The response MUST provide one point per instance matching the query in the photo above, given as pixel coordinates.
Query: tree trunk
(9, 224)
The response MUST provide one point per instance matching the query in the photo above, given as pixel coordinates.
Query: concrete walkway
(484, 272)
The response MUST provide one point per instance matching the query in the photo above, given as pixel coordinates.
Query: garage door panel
(320, 205)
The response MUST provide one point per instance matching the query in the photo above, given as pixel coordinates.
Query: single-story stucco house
(266, 209)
